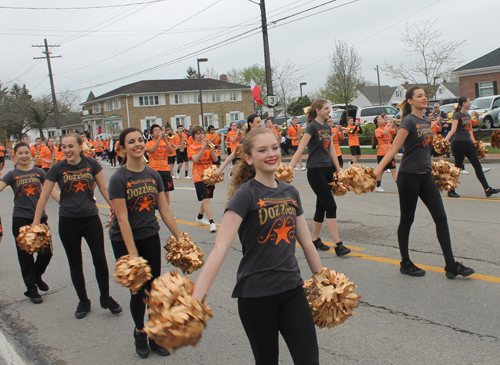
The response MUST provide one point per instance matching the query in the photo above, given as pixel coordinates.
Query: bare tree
(211, 73)
(436, 56)
(287, 78)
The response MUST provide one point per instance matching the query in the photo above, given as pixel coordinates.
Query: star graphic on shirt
(30, 190)
(261, 203)
(282, 233)
(145, 204)
(129, 185)
(88, 169)
(80, 186)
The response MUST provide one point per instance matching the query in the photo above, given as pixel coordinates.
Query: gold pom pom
(210, 177)
(34, 238)
(341, 184)
(495, 139)
(184, 254)
(331, 297)
(362, 179)
(446, 175)
(132, 273)
(176, 318)
(441, 145)
(111, 216)
(481, 150)
(284, 173)
(238, 151)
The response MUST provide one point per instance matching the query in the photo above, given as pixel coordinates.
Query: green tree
(14, 110)
(297, 107)
(191, 73)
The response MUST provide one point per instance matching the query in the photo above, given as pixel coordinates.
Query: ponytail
(311, 110)
(405, 105)
(461, 101)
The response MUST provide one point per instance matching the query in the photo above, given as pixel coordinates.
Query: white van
(364, 115)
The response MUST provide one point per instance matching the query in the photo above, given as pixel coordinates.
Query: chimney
(223, 77)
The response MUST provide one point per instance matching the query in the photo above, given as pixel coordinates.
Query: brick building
(481, 76)
(163, 102)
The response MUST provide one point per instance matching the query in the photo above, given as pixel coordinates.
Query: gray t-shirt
(77, 187)
(417, 146)
(140, 191)
(464, 126)
(319, 145)
(26, 186)
(267, 235)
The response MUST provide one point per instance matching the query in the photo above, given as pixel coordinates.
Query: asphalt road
(400, 320)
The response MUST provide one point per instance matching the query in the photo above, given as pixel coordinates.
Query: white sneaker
(486, 169)
(202, 221)
(230, 166)
(187, 177)
(463, 172)
(177, 176)
(173, 176)
(303, 168)
(387, 170)
(213, 227)
(296, 168)
(379, 189)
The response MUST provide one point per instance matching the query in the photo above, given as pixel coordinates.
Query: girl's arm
(121, 212)
(333, 155)
(47, 188)
(2, 186)
(454, 127)
(167, 215)
(226, 162)
(225, 237)
(304, 238)
(303, 144)
(103, 187)
(55, 195)
(396, 145)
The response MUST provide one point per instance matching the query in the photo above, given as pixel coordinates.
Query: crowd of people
(265, 213)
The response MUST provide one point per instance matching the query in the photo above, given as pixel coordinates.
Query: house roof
(454, 87)
(90, 97)
(430, 90)
(491, 59)
(371, 93)
(66, 119)
(159, 86)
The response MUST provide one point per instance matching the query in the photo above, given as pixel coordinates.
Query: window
(233, 96)
(196, 97)
(150, 122)
(215, 97)
(107, 106)
(180, 120)
(148, 100)
(496, 103)
(96, 108)
(235, 116)
(116, 104)
(209, 118)
(486, 88)
(178, 99)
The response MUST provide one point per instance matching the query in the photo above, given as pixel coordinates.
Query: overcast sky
(108, 45)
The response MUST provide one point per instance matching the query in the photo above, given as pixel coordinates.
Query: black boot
(341, 250)
(82, 309)
(458, 269)
(320, 245)
(155, 347)
(34, 296)
(111, 304)
(141, 344)
(42, 285)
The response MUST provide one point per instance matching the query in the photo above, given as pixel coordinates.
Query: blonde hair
(317, 104)
(78, 140)
(242, 171)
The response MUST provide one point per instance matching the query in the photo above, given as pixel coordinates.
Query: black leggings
(71, 231)
(30, 269)
(150, 250)
(289, 313)
(411, 187)
(462, 149)
(318, 178)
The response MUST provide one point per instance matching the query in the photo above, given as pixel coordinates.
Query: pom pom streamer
(340, 185)
(184, 254)
(111, 216)
(176, 318)
(284, 173)
(481, 149)
(441, 145)
(34, 238)
(495, 139)
(132, 274)
(331, 297)
(210, 177)
(362, 179)
(446, 175)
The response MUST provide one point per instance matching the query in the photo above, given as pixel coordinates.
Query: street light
(302, 84)
(199, 84)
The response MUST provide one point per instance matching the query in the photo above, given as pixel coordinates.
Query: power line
(80, 7)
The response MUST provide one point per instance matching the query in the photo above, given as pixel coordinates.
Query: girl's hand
(133, 255)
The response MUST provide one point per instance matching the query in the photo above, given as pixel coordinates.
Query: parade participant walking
(271, 299)
(415, 181)
(337, 135)
(98, 148)
(294, 133)
(321, 164)
(26, 183)
(179, 142)
(234, 135)
(112, 152)
(202, 158)
(353, 130)
(36, 152)
(136, 191)
(59, 153)
(170, 156)
(216, 140)
(462, 145)
(384, 132)
(158, 149)
(273, 128)
(88, 147)
(48, 155)
(2, 156)
(79, 218)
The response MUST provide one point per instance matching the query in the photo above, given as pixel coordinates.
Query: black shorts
(98, 154)
(171, 160)
(218, 161)
(294, 148)
(434, 153)
(1, 229)
(204, 191)
(355, 150)
(2, 159)
(168, 182)
(182, 156)
(391, 165)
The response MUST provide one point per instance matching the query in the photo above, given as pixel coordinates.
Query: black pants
(286, 148)
(71, 232)
(289, 313)
(318, 178)
(112, 157)
(414, 186)
(150, 250)
(30, 269)
(462, 149)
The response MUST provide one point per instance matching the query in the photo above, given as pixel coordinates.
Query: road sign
(272, 100)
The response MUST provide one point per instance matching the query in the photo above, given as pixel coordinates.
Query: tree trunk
(40, 130)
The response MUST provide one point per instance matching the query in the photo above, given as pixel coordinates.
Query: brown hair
(383, 115)
(243, 171)
(350, 118)
(461, 101)
(121, 140)
(196, 129)
(404, 105)
(78, 140)
(317, 104)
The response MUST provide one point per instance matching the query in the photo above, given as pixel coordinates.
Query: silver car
(488, 108)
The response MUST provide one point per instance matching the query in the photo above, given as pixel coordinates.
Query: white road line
(8, 353)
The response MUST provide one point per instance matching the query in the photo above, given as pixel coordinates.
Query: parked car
(488, 109)
(363, 115)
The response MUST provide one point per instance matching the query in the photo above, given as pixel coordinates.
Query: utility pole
(379, 95)
(267, 56)
(48, 57)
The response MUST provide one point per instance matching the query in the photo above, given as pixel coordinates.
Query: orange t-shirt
(384, 141)
(98, 146)
(2, 151)
(106, 145)
(190, 140)
(216, 141)
(336, 142)
(435, 129)
(293, 132)
(353, 139)
(158, 161)
(277, 134)
(177, 141)
(232, 145)
(48, 154)
(34, 150)
(203, 163)
(59, 154)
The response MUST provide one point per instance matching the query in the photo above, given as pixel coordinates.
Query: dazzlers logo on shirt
(277, 211)
(144, 192)
(28, 184)
(425, 132)
(80, 180)
(325, 137)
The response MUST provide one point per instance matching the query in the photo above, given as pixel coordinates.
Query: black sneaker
(42, 285)
(341, 250)
(34, 296)
(155, 347)
(411, 269)
(320, 245)
(491, 191)
(453, 194)
(111, 304)
(459, 269)
(141, 344)
(82, 309)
